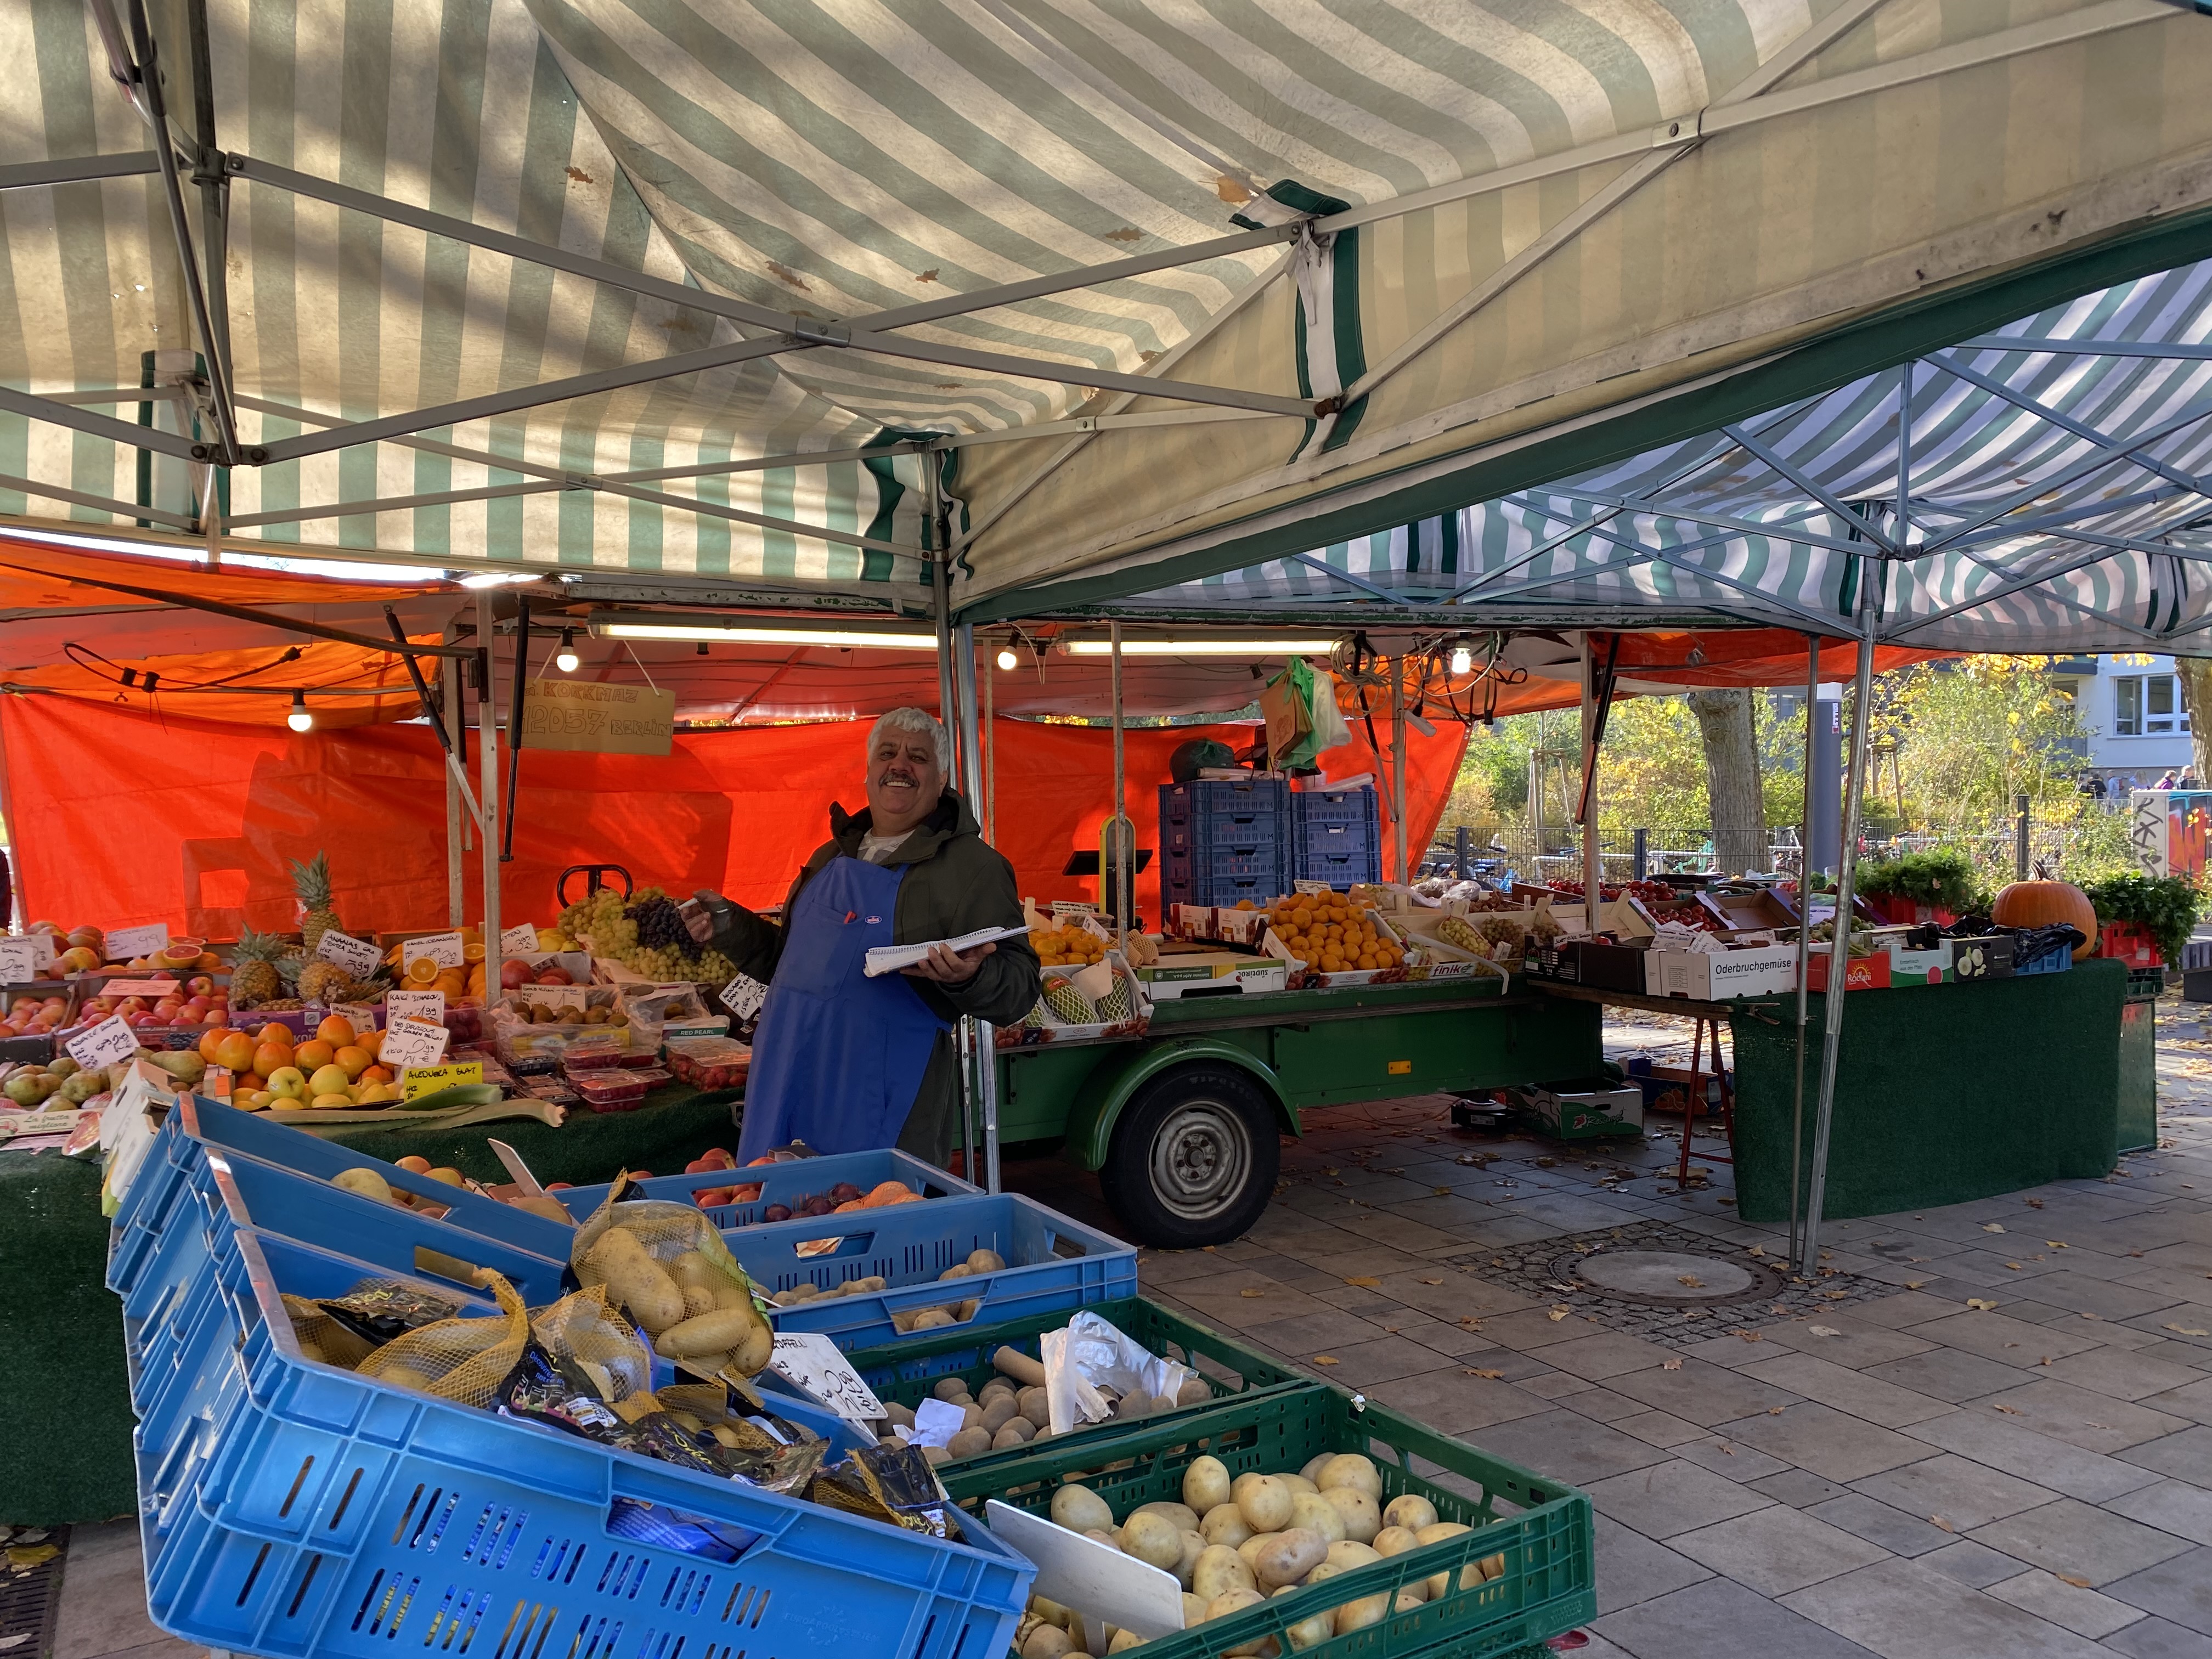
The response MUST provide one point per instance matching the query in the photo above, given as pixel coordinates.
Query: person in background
(849, 1063)
(2165, 783)
(2188, 780)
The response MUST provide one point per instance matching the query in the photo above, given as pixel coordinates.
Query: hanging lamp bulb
(1006, 658)
(1462, 659)
(300, 717)
(566, 658)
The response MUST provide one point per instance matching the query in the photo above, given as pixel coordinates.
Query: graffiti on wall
(2170, 831)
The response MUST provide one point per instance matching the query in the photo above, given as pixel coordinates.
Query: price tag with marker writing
(413, 1043)
(812, 1364)
(443, 949)
(743, 996)
(20, 962)
(125, 943)
(358, 957)
(519, 939)
(423, 1007)
(108, 1044)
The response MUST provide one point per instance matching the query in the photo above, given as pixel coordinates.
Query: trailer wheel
(1194, 1158)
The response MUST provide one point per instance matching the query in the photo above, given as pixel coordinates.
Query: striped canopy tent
(1060, 303)
(2046, 484)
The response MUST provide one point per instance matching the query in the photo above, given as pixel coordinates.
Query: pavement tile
(1797, 1488)
(1986, 1437)
(1995, 1336)
(1857, 1343)
(2080, 1293)
(1965, 1493)
(1776, 1551)
(2178, 1590)
(1877, 1523)
(2081, 1540)
(1975, 1565)
(1658, 1428)
(1631, 1568)
(1673, 1497)
(1533, 1327)
(1454, 1295)
(1826, 1441)
(2126, 1375)
(1699, 1393)
(1872, 1398)
(103, 1607)
(2185, 1457)
(1568, 1447)
(1907, 1308)
(2154, 1638)
(1722, 1456)
(1363, 1364)
(1719, 1619)
(1947, 1374)
(1902, 1610)
(1556, 1385)
(2171, 1506)
(1607, 1355)
(2081, 1611)
(1450, 1401)
(2094, 1422)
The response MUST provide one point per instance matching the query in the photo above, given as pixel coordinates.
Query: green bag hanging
(1288, 704)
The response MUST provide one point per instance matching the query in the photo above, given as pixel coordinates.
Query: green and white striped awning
(2051, 482)
(784, 298)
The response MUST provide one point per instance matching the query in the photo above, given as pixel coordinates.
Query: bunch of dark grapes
(660, 926)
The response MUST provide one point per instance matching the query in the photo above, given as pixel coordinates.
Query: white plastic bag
(1329, 730)
(1091, 1354)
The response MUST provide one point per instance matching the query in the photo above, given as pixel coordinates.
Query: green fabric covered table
(1946, 1093)
(65, 1456)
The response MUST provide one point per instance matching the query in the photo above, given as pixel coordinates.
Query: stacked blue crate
(1336, 837)
(1223, 840)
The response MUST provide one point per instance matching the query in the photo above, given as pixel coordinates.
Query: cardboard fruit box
(1096, 982)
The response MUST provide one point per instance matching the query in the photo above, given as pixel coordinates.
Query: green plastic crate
(907, 1371)
(1542, 1527)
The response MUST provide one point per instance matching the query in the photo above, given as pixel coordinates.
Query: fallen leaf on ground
(2015, 1266)
(1980, 1306)
(1914, 1284)
(31, 1555)
(2032, 1203)
(1670, 1365)
(2057, 1243)
(1750, 1336)
(1250, 1294)
(1555, 1314)
(1824, 1330)
(1938, 1521)
(1757, 1249)
(2069, 1578)
(2186, 1330)
(1993, 1226)
(15, 1641)
(1774, 1411)
(1432, 1281)
(1690, 1280)
(1488, 1377)
(1470, 1321)
(1324, 1360)
(2009, 1411)
(1365, 1283)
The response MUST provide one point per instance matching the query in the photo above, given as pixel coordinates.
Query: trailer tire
(1194, 1158)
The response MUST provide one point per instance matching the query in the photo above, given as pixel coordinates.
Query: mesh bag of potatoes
(463, 1359)
(665, 1265)
(582, 1330)
(1236, 1544)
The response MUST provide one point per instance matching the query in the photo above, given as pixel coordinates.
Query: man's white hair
(913, 719)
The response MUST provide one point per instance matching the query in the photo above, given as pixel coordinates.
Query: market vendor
(842, 1061)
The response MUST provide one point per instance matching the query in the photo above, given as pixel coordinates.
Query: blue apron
(837, 1057)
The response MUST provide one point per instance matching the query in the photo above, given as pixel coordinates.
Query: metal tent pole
(488, 791)
(990, 782)
(1593, 860)
(457, 818)
(1398, 765)
(948, 712)
(982, 1049)
(1839, 947)
(1117, 826)
(1804, 908)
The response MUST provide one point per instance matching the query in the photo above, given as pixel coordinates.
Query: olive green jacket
(956, 883)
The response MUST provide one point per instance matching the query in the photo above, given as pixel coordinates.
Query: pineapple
(253, 980)
(311, 883)
(325, 982)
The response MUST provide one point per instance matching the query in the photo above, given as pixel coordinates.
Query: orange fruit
(337, 1030)
(235, 1051)
(313, 1054)
(379, 1074)
(414, 1162)
(208, 1040)
(269, 1056)
(276, 1032)
(422, 971)
(352, 1061)
(252, 1083)
(472, 950)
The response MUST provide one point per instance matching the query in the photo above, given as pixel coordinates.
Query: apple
(555, 974)
(200, 985)
(513, 974)
(328, 1079)
(288, 1082)
(415, 1162)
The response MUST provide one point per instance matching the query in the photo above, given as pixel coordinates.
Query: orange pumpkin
(2045, 903)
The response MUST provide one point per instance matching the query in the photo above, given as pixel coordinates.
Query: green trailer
(1181, 1122)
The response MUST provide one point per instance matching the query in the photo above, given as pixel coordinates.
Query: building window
(2147, 705)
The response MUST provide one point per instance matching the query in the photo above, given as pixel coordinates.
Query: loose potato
(1033, 1404)
(1325, 1571)
(1296, 1483)
(1225, 1523)
(949, 1388)
(970, 1442)
(1186, 1568)
(937, 1455)
(1411, 1511)
(1438, 1584)
(1152, 1539)
(1194, 1392)
(994, 1413)
(985, 1262)
(1205, 1485)
(1408, 1599)
(1344, 1555)
(1395, 1540)
(957, 1270)
(1289, 1558)
(901, 1415)
(1046, 1641)
(1019, 1366)
(366, 1182)
(1110, 1538)
(1180, 1516)
(1219, 1569)
(1313, 1630)
(1124, 1640)
(1310, 1512)
(1367, 1610)
(1193, 1609)
(1315, 1463)
(1237, 1600)
(931, 1319)
(1362, 1520)
(1080, 1510)
(1009, 1437)
(705, 1333)
(639, 1283)
(1266, 1504)
(1351, 1469)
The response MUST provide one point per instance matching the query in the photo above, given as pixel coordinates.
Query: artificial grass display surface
(66, 1455)
(1947, 1093)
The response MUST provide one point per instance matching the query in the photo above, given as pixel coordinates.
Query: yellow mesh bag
(321, 1337)
(581, 1328)
(461, 1359)
(666, 1268)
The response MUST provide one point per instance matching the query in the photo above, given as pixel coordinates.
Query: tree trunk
(2195, 674)
(1732, 786)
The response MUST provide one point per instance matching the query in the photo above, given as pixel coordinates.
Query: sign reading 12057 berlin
(605, 720)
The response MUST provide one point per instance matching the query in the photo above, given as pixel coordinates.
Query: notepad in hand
(890, 958)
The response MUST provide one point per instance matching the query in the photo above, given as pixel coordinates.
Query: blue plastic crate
(2056, 960)
(1052, 1262)
(1311, 808)
(781, 1183)
(1226, 890)
(1211, 801)
(290, 1508)
(1336, 837)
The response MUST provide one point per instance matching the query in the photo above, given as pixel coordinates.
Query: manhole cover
(1667, 1275)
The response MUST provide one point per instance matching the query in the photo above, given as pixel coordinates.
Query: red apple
(555, 974)
(513, 974)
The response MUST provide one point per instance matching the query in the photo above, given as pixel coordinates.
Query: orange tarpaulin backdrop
(122, 819)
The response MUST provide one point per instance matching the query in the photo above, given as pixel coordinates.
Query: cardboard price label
(413, 1043)
(138, 987)
(425, 1007)
(108, 1044)
(519, 939)
(125, 943)
(20, 962)
(743, 996)
(443, 949)
(415, 1081)
(811, 1363)
(358, 957)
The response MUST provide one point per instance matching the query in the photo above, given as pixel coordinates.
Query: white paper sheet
(890, 958)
